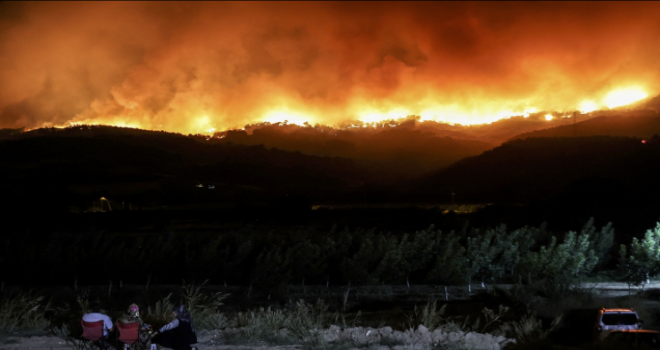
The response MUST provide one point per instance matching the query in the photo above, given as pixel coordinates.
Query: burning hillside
(204, 67)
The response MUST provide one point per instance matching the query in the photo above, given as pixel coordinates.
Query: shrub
(306, 320)
(161, 313)
(529, 329)
(262, 325)
(204, 308)
(24, 313)
(429, 316)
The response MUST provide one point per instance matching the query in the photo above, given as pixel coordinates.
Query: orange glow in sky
(198, 67)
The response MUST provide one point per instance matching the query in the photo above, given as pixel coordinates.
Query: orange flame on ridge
(201, 67)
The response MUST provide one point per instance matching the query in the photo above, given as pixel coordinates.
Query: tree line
(271, 261)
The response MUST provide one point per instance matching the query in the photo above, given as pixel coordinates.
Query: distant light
(548, 117)
(643, 141)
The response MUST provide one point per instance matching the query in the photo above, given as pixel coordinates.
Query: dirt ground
(384, 338)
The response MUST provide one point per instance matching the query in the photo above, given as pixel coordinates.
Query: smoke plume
(195, 67)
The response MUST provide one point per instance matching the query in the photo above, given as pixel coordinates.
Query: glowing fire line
(449, 114)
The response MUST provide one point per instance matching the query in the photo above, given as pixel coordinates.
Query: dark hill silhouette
(56, 169)
(403, 151)
(503, 129)
(613, 179)
(536, 125)
(588, 170)
(10, 133)
(642, 125)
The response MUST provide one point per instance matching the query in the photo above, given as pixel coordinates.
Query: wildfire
(457, 114)
(376, 116)
(613, 99)
(624, 97)
(110, 122)
(332, 63)
(588, 106)
(450, 114)
(204, 123)
(287, 117)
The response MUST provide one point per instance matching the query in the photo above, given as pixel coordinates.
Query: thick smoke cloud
(191, 67)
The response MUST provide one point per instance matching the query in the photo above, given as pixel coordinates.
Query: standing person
(178, 334)
(96, 316)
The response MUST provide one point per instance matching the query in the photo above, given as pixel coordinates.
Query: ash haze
(199, 67)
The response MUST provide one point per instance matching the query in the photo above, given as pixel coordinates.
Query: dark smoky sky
(191, 67)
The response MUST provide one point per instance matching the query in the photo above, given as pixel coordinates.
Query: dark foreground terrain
(468, 240)
(524, 316)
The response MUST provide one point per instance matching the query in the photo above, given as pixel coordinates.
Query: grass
(299, 323)
(428, 316)
(432, 317)
(529, 329)
(161, 313)
(546, 298)
(204, 307)
(23, 314)
(260, 326)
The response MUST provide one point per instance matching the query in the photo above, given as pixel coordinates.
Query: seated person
(96, 316)
(178, 334)
(132, 315)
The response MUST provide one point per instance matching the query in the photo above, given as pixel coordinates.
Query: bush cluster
(273, 261)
